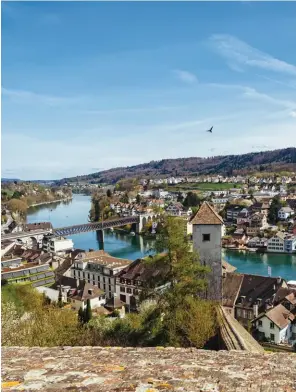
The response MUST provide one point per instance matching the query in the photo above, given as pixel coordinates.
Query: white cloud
(30, 97)
(239, 53)
(185, 76)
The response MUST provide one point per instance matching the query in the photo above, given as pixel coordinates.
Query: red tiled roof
(206, 215)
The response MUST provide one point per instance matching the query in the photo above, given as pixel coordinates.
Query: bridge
(137, 220)
(102, 225)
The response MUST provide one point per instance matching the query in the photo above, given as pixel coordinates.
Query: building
(98, 268)
(15, 271)
(87, 292)
(282, 243)
(131, 280)
(38, 226)
(232, 213)
(285, 213)
(257, 242)
(256, 294)
(257, 222)
(52, 244)
(276, 325)
(175, 209)
(207, 232)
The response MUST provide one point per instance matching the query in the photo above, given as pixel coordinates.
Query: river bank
(50, 202)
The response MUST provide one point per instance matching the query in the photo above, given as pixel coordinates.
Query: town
(252, 214)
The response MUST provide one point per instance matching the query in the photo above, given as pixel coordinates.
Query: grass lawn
(204, 186)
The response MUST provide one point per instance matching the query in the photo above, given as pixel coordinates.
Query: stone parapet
(145, 370)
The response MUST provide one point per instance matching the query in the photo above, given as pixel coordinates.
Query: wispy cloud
(30, 97)
(239, 54)
(185, 76)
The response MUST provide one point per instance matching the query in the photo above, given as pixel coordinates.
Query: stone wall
(145, 370)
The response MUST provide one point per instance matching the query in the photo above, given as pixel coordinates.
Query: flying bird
(210, 130)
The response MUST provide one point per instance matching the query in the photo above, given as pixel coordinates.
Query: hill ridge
(273, 160)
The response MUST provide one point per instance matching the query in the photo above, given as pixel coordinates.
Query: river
(76, 211)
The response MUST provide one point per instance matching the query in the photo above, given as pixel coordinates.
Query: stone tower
(207, 231)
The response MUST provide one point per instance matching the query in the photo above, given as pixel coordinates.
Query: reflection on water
(76, 211)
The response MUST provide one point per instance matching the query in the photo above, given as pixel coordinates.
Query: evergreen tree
(275, 206)
(184, 318)
(109, 193)
(81, 315)
(87, 312)
(124, 198)
(191, 200)
(138, 199)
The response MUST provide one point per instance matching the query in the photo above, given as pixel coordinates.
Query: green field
(204, 186)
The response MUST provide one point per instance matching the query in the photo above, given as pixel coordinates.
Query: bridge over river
(138, 221)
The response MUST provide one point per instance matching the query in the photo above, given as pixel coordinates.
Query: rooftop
(280, 316)
(145, 369)
(103, 258)
(206, 215)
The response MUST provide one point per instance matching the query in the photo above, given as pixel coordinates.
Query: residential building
(257, 242)
(276, 325)
(257, 222)
(208, 229)
(87, 292)
(255, 295)
(98, 268)
(232, 213)
(131, 280)
(38, 226)
(276, 243)
(52, 244)
(175, 209)
(285, 213)
(282, 243)
(15, 271)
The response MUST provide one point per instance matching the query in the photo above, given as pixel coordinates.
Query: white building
(53, 244)
(208, 229)
(89, 292)
(276, 325)
(282, 243)
(285, 213)
(98, 268)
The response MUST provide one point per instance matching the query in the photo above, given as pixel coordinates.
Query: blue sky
(90, 86)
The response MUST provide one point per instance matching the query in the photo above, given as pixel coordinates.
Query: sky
(91, 86)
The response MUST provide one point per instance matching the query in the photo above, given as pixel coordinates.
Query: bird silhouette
(210, 130)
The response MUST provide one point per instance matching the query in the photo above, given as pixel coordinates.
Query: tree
(81, 316)
(16, 205)
(191, 200)
(275, 206)
(138, 199)
(179, 305)
(180, 197)
(87, 312)
(124, 198)
(109, 193)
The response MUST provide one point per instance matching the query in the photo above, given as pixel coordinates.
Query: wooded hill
(269, 161)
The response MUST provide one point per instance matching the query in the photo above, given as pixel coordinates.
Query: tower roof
(206, 215)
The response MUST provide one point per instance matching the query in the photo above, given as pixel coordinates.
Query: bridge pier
(100, 238)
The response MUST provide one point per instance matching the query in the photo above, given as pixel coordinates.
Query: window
(260, 323)
(272, 337)
(128, 290)
(271, 325)
(122, 289)
(206, 237)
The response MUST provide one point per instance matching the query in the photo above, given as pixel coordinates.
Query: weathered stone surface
(145, 370)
